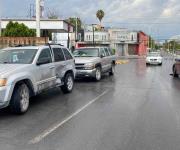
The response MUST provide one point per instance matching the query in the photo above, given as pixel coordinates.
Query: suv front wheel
(68, 83)
(20, 99)
(112, 70)
(98, 74)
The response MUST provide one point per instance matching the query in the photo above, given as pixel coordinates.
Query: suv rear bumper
(85, 73)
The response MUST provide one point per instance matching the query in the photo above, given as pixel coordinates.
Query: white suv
(28, 71)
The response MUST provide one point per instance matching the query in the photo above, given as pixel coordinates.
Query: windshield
(86, 52)
(17, 56)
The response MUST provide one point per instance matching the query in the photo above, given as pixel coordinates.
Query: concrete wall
(12, 41)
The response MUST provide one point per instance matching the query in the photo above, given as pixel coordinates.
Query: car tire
(112, 70)
(174, 73)
(68, 83)
(98, 74)
(160, 64)
(147, 64)
(19, 103)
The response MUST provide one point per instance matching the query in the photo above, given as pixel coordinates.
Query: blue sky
(159, 18)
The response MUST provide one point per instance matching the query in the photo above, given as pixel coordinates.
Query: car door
(60, 62)
(108, 58)
(103, 59)
(70, 63)
(46, 70)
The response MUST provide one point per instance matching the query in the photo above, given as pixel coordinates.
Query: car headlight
(147, 59)
(3, 82)
(89, 66)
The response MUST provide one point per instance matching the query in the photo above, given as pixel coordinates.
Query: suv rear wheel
(68, 83)
(20, 99)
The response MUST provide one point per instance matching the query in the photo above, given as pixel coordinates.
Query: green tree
(18, 30)
(73, 21)
(100, 15)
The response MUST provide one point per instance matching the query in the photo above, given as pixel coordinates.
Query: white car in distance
(154, 58)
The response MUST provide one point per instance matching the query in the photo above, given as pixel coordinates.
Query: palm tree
(100, 14)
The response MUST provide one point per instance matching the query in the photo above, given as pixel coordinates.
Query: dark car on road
(176, 67)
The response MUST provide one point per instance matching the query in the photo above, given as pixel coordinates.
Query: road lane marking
(45, 133)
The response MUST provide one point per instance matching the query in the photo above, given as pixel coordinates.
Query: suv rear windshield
(86, 52)
(17, 56)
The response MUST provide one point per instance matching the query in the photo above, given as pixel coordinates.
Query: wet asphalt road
(137, 109)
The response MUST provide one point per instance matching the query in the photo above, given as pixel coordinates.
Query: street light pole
(93, 34)
(0, 26)
(76, 39)
(37, 18)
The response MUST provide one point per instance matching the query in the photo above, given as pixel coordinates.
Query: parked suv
(93, 61)
(28, 71)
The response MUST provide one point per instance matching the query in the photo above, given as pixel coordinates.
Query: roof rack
(19, 45)
(49, 44)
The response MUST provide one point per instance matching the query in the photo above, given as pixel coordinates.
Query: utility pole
(68, 36)
(37, 18)
(0, 26)
(93, 34)
(0, 22)
(76, 36)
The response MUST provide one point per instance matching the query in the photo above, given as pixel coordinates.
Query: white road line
(44, 134)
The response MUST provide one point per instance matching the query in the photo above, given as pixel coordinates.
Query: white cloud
(116, 12)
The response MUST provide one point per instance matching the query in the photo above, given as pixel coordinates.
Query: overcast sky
(159, 18)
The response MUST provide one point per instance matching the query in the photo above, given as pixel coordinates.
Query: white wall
(122, 35)
(44, 24)
(98, 36)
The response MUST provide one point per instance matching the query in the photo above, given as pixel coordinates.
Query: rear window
(58, 54)
(67, 54)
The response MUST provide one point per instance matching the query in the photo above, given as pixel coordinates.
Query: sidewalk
(131, 57)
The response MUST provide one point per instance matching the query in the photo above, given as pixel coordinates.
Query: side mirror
(101, 56)
(43, 61)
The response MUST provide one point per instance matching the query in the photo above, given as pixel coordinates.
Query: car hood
(10, 68)
(83, 60)
(153, 57)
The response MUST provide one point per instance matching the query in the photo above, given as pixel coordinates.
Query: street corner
(120, 62)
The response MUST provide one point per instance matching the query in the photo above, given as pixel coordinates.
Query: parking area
(138, 108)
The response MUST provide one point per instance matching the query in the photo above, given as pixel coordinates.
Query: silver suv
(93, 61)
(28, 71)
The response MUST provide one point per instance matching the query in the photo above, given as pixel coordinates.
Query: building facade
(47, 26)
(143, 40)
(123, 41)
(127, 42)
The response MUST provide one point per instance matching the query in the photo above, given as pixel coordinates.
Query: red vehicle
(176, 68)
